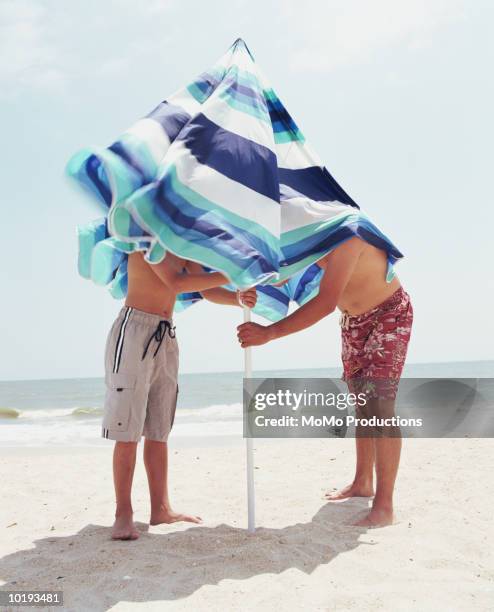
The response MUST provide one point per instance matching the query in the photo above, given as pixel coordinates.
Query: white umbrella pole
(251, 500)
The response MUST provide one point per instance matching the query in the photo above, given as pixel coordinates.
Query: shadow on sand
(96, 573)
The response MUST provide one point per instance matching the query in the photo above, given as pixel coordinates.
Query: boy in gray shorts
(142, 389)
(141, 365)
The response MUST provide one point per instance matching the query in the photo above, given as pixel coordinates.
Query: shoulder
(171, 262)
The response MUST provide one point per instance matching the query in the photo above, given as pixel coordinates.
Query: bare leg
(156, 462)
(387, 461)
(124, 459)
(388, 450)
(362, 485)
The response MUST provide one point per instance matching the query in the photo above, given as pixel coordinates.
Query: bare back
(367, 286)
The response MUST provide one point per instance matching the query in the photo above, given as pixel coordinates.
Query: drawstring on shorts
(159, 335)
(345, 320)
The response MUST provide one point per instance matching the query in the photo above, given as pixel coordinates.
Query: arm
(231, 298)
(339, 265)
(218, 295)
(198, 282)
(179, 281)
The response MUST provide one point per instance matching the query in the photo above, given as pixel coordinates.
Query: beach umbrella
(220, 174)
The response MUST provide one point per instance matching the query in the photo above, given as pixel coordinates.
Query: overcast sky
(395, 95)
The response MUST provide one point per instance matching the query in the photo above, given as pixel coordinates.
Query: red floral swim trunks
(375, 343)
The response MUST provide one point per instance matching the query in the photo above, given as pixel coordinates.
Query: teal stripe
(312, 294)
(249, 79)
(101, 264)
(296, 235)
(390, 272)
(232, 99)
(288, 271)
(263, 309)
(121, 221)
(197, 93)
(87, 241)
(144, 209)
(216, 74)
(156, 253)
(288, 136)
(116, 287)
(292, 132)
(125, 247)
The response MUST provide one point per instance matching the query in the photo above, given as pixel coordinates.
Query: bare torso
(146, 291)
(367, 286)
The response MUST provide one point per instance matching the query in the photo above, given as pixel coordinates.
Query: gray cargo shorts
(141, 369)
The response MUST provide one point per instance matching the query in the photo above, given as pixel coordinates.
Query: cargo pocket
(120, 390)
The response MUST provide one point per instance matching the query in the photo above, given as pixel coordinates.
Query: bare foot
(124, 528)
(377, 517)
(352, 490)
(169, 516)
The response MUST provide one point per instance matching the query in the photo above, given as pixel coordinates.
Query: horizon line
(424, 363)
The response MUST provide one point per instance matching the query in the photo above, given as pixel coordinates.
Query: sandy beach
(58, 507)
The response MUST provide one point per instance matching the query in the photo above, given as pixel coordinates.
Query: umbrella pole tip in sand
(251, 504)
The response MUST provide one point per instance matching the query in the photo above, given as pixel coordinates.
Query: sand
(57, 509)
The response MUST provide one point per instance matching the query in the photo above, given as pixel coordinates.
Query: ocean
(68, 411)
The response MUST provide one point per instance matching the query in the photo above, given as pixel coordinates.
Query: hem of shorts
(152, 438)
(118, 436)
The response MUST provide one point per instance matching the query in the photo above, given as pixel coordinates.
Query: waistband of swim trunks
(389, 303)
(140, 316)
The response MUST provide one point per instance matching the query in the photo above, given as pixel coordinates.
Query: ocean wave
(72, 430)
(214, 412)
(9, 413)
(60, 413)
(221, 412)
(89, 411)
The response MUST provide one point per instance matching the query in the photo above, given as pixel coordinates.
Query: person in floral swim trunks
(376, 324)
(374, 346)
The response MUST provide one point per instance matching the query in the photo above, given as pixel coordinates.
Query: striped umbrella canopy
(220, 174)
